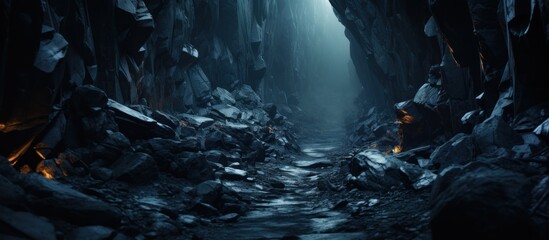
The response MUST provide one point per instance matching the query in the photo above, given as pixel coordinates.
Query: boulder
(458, 150)
(205, 209)
(191, 166)
(136, 125)
(209, 191)
(216, 156)
(495, 132)
(112, 146)
(218, 139)
(196, 121)
(11, 193)
(26, 225)
(58, 200)
(483, 203)
(136, 168)
(185, 131)
(227, 111)
(165, 150)
(245, 94)
(234, 174)
(223, 96)
(417, 177)
(372, 170)
(200, 85)
(165, 119)
(428, 96)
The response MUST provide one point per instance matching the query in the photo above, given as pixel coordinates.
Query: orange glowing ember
(406, 118)
(397, 149)
(49, 169)
(47, 174)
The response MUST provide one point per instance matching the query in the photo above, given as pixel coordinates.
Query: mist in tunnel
(327, 93)
(309, 61)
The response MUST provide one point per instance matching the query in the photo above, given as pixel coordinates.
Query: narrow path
(296, 210)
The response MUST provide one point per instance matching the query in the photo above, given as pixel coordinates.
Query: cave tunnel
(274, 119)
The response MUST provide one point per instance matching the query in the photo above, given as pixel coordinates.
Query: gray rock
(112, 146)
(458, 150)
(227, 111)
(483, 204)
(11, 193)
(196, 121)
(136, 125)
(216, 156)
(234, 174)
(418, 177)
(200, 84)
(28, 224)
(51, 51)
(191, 166)
(101, 173)
(372, 170)
(52, 198)
(371, 160)
(209, 191)
(223, 96)
(87, 100)
(188, 220)
(137, 168)
(189, 144)
(229, 218)
(185, 131)
(428, 96)
(543, 129)
(165, 118)
(205, 209)
(495, 132)
(247, 95)
(218, 139)
(7, 170)
(90, 233)
(270, 109)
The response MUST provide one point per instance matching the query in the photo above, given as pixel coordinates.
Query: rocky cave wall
(444, 64)
(168, 55)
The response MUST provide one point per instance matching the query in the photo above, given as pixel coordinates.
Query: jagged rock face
(389, 48)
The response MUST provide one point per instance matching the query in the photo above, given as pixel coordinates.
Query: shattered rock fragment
(191, 166)
(27, 225)
(58, 200)
(136, 125)
(135, 168)
(234, 174)
(495, 132)
(457, 150)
